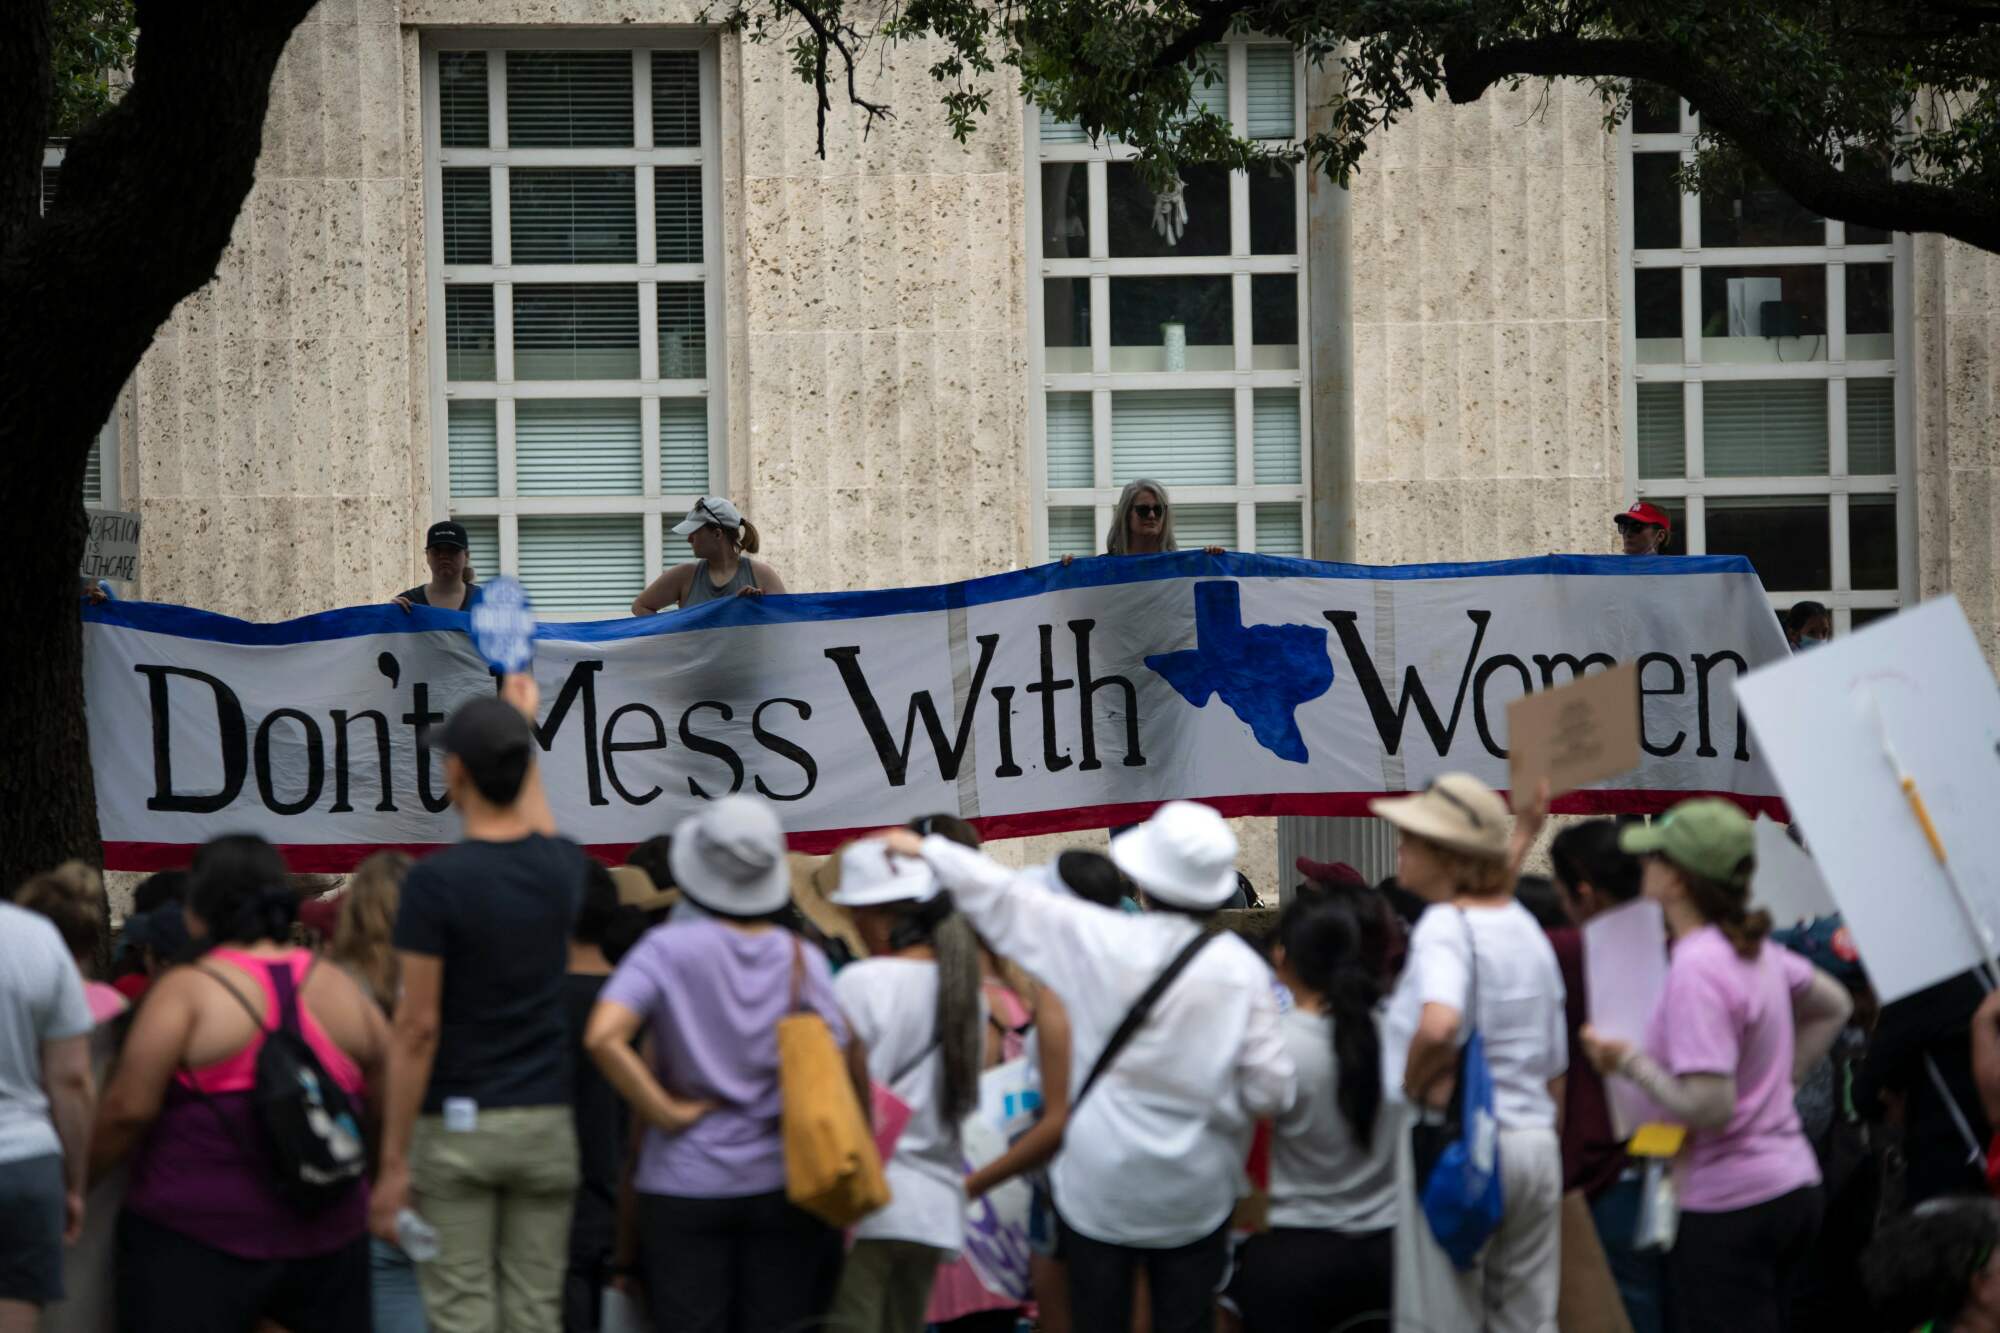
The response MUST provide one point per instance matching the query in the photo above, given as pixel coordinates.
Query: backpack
(312, 1137)
(1457, 1156)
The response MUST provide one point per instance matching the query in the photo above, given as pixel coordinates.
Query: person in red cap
(1644, 529)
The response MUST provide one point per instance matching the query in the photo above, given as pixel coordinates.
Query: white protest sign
(1788, 884)
(1624, 974)
(112, 549)
(1821, 718)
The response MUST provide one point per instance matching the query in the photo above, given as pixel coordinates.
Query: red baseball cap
(1650, 514)
(1329, 872)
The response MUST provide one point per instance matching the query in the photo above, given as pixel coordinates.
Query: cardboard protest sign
(1788, 884)
(112, 549)
(1828, 722)
(1575, 735)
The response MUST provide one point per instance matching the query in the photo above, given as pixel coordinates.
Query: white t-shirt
(1520, 1003)
(1320, 1177)
(41, 1000)
(891, 1005)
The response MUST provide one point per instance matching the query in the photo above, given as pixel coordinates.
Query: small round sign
(503, 624)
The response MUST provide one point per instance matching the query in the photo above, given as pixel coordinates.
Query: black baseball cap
(494, 743)
(449, 532)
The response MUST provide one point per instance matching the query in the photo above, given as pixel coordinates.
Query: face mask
(1807, 641)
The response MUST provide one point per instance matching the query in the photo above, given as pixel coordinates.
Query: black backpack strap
(909, 1066)
(230, 986)
(1135, 1017)
(289, 993)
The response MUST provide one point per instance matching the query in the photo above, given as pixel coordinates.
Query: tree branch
(835, 36)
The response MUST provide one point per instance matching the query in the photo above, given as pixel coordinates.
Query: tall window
(1171, 346)
(575, 299)
(100, 473)
(1767, 356)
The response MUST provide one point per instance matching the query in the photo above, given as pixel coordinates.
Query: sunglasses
(1150, 511)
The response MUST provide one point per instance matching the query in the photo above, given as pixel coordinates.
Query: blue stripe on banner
(1092, 572)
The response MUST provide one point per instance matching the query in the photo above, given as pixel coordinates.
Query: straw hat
(1457, 811)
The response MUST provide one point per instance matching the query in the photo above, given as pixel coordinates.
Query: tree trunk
(150, 196)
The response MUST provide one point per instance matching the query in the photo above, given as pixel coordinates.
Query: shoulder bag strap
(1135, 1017)
(1472, 961)
(798, 975)
(909, 1066)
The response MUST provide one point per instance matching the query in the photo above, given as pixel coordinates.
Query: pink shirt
(1723, 1014)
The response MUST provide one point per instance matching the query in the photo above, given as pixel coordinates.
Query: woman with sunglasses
(1142, 523)
(1739, 1025)
(723, 542)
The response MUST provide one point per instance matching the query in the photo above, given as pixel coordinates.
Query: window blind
(1211, 82)
(468, 215)
(683, 446)
(462, 121)
(1071, 459)
(683, 333)
(582, 563)
(468, 332)
(51, 186)
(1274, 434)
(1871, 427)
(573, 215)
(677, 214)
(1280, 530)
(1196, 526)
(676, 99)
(1770, 428)
(1072, 531)
(1055, 131)
(569, 99)
(1267, 88)
(472, 446)
(93, 474)
(577, 446)
(482, 544)
(576, 331)
(1662, 430)
(1185, 438)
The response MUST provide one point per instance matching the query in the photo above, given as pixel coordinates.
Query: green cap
(1707, 837)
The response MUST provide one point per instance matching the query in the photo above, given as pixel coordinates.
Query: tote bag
(831, 1167)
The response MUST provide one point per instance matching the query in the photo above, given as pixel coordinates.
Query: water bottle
(418, 1238)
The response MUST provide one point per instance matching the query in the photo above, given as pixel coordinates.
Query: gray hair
(1114, 541)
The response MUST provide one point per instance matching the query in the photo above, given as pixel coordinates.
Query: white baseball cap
(1184, 856)
(870, 877)
(709, 509)
(729, 859)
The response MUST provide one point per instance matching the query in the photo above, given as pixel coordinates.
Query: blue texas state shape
(1263, 672)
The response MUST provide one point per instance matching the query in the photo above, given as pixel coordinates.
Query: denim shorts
(31, 1227)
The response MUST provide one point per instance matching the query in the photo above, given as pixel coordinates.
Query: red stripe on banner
(333, 858)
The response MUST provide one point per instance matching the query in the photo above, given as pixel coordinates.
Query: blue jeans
(399, 1306)
(1641, 1275)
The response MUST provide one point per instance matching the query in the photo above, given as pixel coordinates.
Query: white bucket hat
(1184, 856)
(870, 877)
(730, 858)
(709, 509)
(1457, 811)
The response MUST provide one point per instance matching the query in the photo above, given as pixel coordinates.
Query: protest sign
(1032, 702)
(1828, 720)
(1624, 975)
(503, 624)
(111, 551)
(1575, 734)
(997, 1224)
(1788, 884)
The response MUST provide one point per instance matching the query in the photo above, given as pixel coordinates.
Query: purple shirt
(1724, 1014)
(712, 996)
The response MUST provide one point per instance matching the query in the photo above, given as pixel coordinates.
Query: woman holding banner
(1740, 1023)
(1142, 522)
(722, 541)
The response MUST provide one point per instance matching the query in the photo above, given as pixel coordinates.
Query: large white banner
(1039, 701)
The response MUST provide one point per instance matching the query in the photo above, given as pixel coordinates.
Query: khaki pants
(885, 1287)
(500, 1197)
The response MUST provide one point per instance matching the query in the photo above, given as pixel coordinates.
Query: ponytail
(1322, 937)
(747, 540)
(961, 1038)
(1725, 904)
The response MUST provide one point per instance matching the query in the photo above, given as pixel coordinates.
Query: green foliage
(92, 40)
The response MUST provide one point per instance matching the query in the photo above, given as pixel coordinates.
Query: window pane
(576, 564)
(1184, 438)
(1210, 89)
(683, 332)
(683, 446)
(1072, 531)
(1133, 234)
(1786, 538)
(468, 215)
(1656, 315)
(1662, 431)
(1871, 427)
(1763, 314)
(51, 186)
(1280, 530)
(468, 332)
(1055, 131)
(1196, 526)
(1274, 205)
(1066, 324)
(1071, 462)
(462, 100)
(93, 474)
(1756, 212)
(1860, 616)
(1171, 324)
(576, 331)
(677, 215)
(482, 545)
(1771, 428)
(1274, 434)
(1676, 511)
(1274, 322)
(1871, 540)
(1065, 210)
(1870, 313)
(1268, 92)
(573, 215)
(472, 448)
(1656, 201)
(676, 99)
(569, 99)
(588, 446)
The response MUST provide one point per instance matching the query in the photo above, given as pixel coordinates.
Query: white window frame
(653, 505)
(109, 492)
(1842, 599)
(1239, 265)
